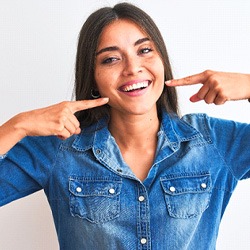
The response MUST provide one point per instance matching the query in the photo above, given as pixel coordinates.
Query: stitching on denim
(188, 174)
(94, 178)
(225, 163)
(53, 165)
(205, 127)
(74, 150)
(223, 189)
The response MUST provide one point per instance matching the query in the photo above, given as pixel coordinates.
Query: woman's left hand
(218, 87)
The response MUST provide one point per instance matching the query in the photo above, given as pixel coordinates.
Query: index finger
(189, 80)
(88, 104)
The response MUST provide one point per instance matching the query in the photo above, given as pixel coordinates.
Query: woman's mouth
(134, 86)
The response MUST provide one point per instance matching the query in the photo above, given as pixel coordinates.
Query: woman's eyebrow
(111, 48)
(114, 48)
(142, 40)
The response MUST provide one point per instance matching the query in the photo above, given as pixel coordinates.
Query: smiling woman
(97, 46)
(130, 173)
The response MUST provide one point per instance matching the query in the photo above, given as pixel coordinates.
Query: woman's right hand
(58, 120)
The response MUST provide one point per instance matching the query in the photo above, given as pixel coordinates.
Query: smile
(135, 86)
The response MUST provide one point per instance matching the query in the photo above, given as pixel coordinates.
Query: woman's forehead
(121, 30)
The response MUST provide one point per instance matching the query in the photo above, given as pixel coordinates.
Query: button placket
(143, 218)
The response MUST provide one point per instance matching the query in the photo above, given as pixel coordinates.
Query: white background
(37, 53)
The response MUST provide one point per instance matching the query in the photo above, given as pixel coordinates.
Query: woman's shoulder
(39, 144)
(213, 127)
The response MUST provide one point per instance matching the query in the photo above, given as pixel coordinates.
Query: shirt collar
(175, 130)
(86, 139)
(178, 130)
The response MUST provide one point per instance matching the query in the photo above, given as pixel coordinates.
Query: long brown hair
(85, 58)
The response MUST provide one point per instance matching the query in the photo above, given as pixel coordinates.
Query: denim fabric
(98, 203)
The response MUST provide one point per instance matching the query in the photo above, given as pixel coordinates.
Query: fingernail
(168, 82)
(194, 98)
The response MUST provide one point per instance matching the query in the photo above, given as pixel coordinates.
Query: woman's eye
(145, 50)
(109, 60)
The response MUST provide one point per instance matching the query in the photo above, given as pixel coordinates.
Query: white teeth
(136, 86)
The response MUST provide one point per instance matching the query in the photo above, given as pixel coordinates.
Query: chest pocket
(187, 196)
(97, 200)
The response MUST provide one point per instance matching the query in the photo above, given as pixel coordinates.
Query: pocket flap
(181, 184)
(94, 187)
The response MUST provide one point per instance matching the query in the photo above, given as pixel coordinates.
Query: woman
(130, 173)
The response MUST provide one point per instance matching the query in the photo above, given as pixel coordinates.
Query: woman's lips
(131, 87)
(134, 89)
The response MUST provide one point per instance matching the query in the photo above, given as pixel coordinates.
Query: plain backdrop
(37, 55)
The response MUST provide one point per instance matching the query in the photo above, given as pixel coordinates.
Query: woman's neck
(135, 131)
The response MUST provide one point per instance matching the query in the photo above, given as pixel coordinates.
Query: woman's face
(128, 69)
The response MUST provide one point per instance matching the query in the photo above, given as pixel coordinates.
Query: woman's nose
(132, 66)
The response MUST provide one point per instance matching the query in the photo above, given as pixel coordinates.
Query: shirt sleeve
(231, 139)
(26, 168)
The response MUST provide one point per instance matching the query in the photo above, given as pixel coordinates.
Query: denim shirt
(98, 203)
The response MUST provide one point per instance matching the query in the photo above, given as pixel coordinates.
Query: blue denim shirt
(98, 203)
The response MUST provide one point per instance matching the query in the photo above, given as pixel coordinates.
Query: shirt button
(172, 189)
(98, 151)
(141, 198)
(203, 185)
(111, 191)
(78, 190)
(143, 241)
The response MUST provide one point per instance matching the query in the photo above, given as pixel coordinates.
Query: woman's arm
(10, 134)
(218, 87)
(58, 119)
